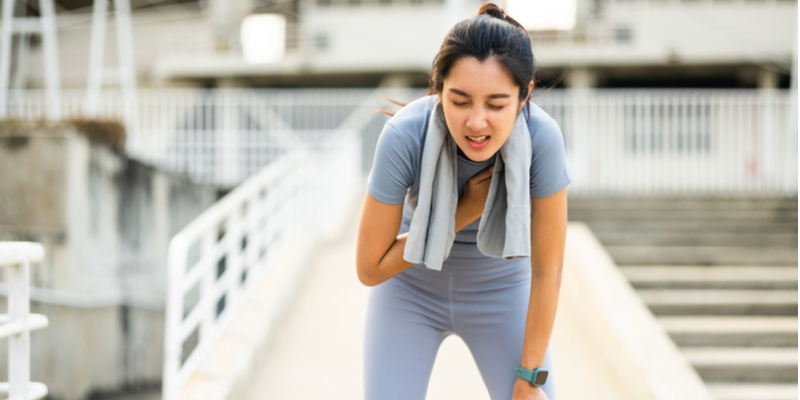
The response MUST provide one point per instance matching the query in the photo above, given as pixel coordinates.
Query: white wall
(372, 37)
(705, 33)
(401, 38)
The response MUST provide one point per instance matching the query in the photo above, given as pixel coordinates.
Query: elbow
(365, 276)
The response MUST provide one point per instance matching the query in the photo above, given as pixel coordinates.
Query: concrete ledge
(620, 351)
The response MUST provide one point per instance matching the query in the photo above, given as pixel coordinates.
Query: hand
(476, 190)
(525, 391)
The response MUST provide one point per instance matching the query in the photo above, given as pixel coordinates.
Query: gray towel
(504, 230)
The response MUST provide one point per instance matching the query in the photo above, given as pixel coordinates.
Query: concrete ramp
(323, 330)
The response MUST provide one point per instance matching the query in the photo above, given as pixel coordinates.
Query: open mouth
(477, 139)
(478, 142)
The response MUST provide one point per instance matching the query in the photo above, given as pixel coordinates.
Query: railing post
(16, 326)
(228, 153)
(19, 345)
(172, 348)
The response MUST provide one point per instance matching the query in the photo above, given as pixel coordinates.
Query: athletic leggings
(482, 300)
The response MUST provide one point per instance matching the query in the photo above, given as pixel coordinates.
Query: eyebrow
(491, 96)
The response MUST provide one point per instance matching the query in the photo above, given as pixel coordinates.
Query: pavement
(317, 350)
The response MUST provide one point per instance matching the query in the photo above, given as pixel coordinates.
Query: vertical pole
(21, 69)
(173, 318)
(126, 65)
(127, 68)
(96, 56)
(219, 134)
(19, 346)
(791, 183)
(5, 54)
(51, 63)
(230, 160)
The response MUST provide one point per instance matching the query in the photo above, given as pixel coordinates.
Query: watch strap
(536, 376)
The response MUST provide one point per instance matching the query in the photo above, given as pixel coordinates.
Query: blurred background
(186, 164)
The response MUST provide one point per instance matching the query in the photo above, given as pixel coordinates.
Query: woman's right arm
(379, 252)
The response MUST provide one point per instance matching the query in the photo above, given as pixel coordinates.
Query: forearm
(393, 263)
(548, 238)
(545, 287)
(466, 213)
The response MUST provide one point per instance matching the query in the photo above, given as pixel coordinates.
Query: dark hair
(491, 33)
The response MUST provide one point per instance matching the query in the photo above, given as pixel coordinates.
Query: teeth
(477, 139)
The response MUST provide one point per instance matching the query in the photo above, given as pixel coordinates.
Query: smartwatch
(537, 376)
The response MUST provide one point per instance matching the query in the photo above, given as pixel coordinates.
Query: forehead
(479, 78)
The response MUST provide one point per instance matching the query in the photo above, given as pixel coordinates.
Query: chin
(480, 157)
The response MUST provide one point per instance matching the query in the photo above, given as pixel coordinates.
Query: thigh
(403, 332)
(492, 325)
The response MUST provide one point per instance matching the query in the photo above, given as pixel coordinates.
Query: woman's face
(481, 103)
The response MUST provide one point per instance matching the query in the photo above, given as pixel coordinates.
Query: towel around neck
(504, 229)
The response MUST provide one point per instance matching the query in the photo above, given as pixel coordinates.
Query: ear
(525, 100)
(530, 89)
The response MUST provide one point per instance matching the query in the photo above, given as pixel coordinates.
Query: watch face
(541, 377)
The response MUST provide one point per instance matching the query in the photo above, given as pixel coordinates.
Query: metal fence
(222, 136)
(678, 142)
(218, 260)
(16, 257)
(618, 142)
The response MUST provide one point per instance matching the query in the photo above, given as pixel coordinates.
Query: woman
(503, 309)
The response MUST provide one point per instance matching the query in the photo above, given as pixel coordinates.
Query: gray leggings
(482, 300)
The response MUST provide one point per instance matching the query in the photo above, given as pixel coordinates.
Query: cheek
(504, 121)
(504, 124)
(454, 119)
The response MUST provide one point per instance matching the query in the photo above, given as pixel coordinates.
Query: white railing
(678, 142)
(224, 136)
(216, 260)
(19, 322)
(619, 142)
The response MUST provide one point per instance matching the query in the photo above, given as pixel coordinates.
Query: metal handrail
(215, 261)
(19, 322)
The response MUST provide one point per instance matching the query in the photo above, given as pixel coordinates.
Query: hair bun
(492, 10)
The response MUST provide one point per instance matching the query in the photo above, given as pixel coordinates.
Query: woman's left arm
(548, 235)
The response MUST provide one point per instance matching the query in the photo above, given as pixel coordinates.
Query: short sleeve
(392, 172)
(549, 170)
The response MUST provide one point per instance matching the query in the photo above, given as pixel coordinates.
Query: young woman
(503, 308)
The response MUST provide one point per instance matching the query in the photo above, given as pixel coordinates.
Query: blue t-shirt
(394, 178)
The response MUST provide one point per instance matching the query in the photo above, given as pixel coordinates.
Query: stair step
(677, 225)
(720, 302)
(752, 391)
(711, 277)
(718, 239)
(731, 331)
(662, 213)
(759, 364)
(612, 203)
(683, 255)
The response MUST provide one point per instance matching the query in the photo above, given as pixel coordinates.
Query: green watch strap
(536, 376)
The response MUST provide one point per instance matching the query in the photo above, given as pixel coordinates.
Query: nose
(477, 118)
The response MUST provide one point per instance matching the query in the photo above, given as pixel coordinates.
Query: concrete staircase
(721, 276)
